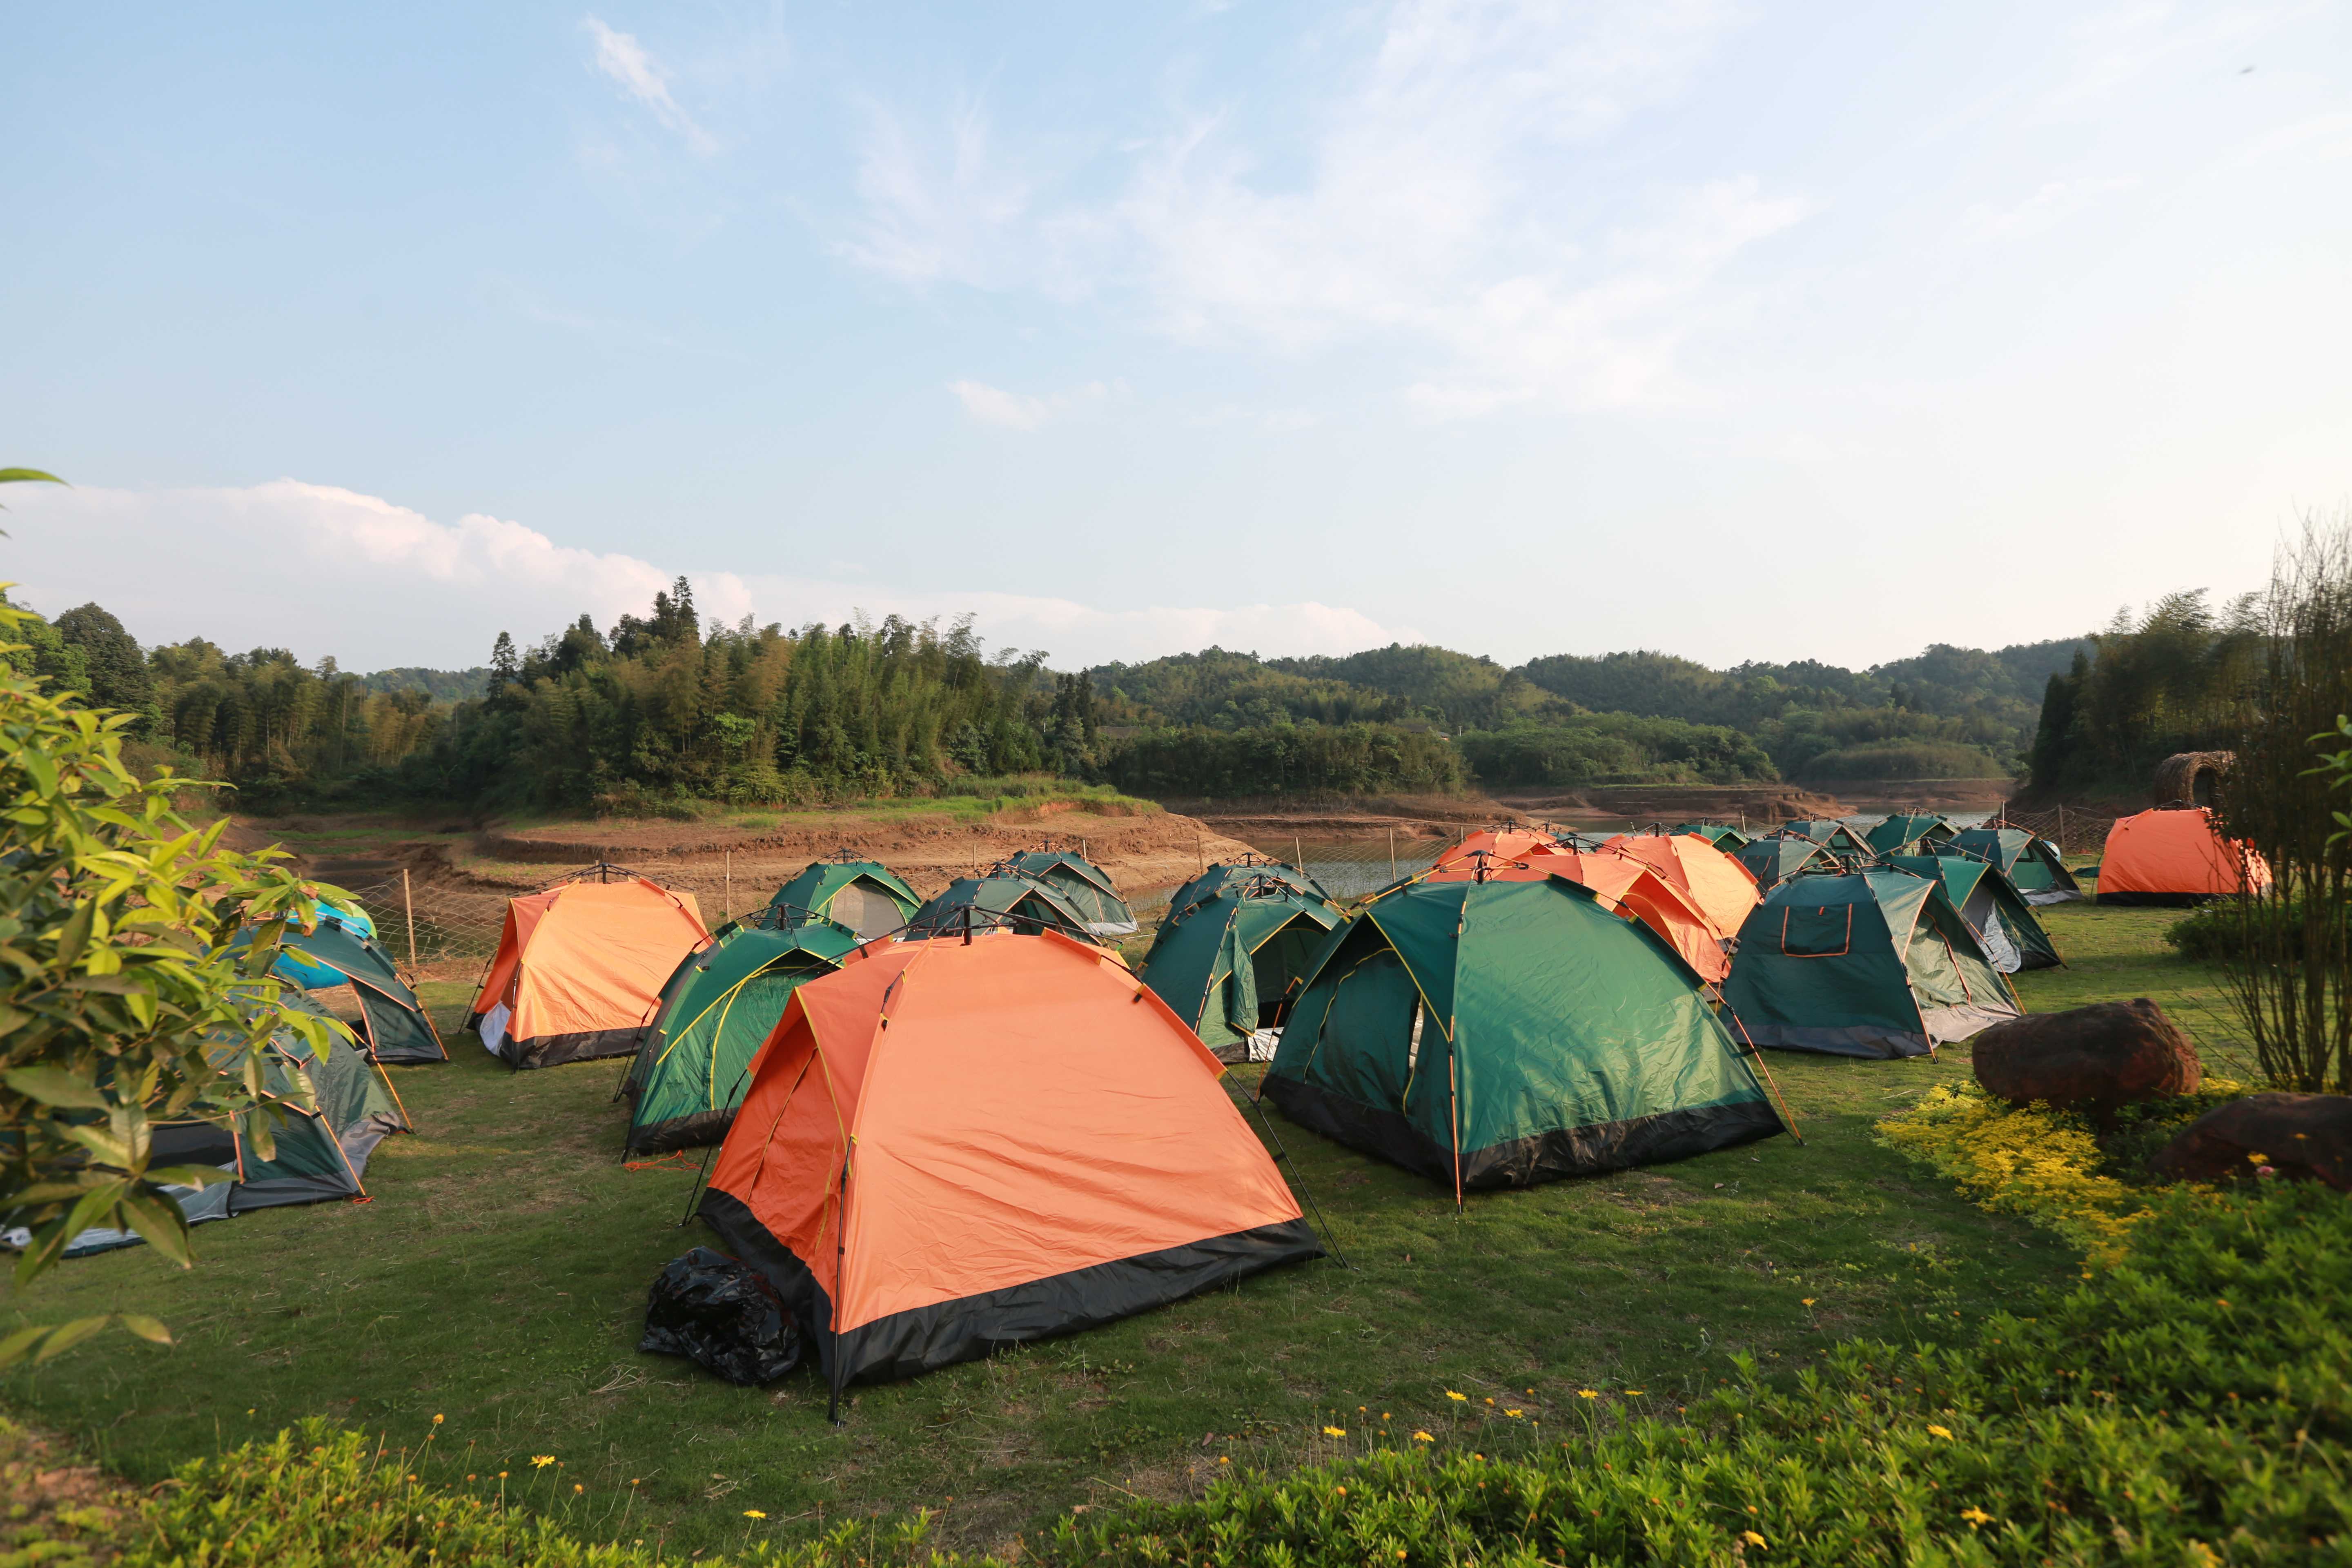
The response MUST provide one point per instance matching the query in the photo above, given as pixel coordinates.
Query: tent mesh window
(1817, 933)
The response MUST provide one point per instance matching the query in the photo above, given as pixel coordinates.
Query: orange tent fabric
(1623, 884)
(952, 1145)
(2175, 856)
(1724, 889)
(1500, 843)
(579, 967)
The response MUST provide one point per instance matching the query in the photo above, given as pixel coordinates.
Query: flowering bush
(2033, 1162)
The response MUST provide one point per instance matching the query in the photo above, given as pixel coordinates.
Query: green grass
(498, 1278)
(2117, 953)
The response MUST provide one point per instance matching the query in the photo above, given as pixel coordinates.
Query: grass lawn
(498, 1278)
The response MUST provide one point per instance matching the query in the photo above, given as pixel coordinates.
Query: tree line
(663, 708)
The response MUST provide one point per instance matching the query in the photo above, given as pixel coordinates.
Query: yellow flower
(1341, 1491)
(1809, 1301)
(753, 1513)
(2258, 1159)
(1750, 1537)
(1423, 1437)
(1225, 1458)
(1588, 1393)
(540, 1461)
(437, 1420)
(1637, 1391)
(1943, 1432)
(1335, 1431)
(1514, 1414)
(576, 1488)
(1459, 1398)
(1976, 1517)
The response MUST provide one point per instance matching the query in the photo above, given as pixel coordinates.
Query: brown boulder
(2305, 1136)
(2092, 1058)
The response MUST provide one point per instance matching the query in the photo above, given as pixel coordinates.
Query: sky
(1819, 330)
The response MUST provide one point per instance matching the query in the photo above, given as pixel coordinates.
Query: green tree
(134, 986)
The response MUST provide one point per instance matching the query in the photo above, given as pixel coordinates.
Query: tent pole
(1391, 852)
(1284, 1154)
(840, 1255)
(1454, 1115)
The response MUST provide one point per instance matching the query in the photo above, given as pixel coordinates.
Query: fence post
(408, 906)
(1298, 861)
(1392, 876)
(2062, 827)
(726, 897)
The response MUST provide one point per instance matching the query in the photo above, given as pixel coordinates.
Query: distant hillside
(441, 685)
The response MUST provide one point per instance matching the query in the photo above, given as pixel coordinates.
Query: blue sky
(1522, 328)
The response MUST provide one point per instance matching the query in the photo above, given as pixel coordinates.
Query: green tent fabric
(1834, 836)
(395, 1024)
(2033, 863)
(1082, 885)
(1225, 963)
(863, 896)
(1223, 874)
(1030, 906)
(1500, 1033)
(693, 1054)
(1722, 834)
(2012, 938)
(1877, 963)
(1774, 861)
(1909, 834)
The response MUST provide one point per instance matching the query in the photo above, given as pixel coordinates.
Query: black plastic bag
(724, 1315)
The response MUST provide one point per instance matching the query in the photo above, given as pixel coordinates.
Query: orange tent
(2173, 855)
(579, 968)
(1622, 883)
(951, 1145)
(1499, 843)
(1723, 889)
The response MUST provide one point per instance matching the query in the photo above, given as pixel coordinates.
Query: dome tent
(1775, 859)
(1500, 1033)
(339, 951)
(1029, 905)
(694, 1057)
(1082, 885)
(1624, 886)
(336, 1107)
(1722, 889)
(1909, 834)
(1874, 963)
(579, 966)
(1722, 834)
(2014, 939)
(2032, 863)
(959, 1144)
(1218, 875)
(862, 896)
(1831, 835)
(1225, 963)
(2173, 855)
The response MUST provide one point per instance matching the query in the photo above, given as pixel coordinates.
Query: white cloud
(1018, 411)
(327, 570)
(2052, 203)
(620, 57)
(1443, 208)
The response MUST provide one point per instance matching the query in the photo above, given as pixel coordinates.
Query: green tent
(1082, 885)
(1722, 834)
(1875, 962)
(863, 896)
(693, 1054)
(317, 1155)
(992, 898)
(1910, 834)
(1995, 910)
(393, 1023)
(1774, 861)
(2032, 864)
(1832, 836)
(1225, 963)
(1500, 1033)
(1223, 874)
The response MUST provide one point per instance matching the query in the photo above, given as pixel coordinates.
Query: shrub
(1614, 748)
(1904, 760)
(1305, 759)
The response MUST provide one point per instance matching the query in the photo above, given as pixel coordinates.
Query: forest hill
(664, 709)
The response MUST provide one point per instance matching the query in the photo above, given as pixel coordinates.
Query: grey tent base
(1866, 1040)
(2053, 896)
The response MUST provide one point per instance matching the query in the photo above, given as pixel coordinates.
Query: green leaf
(18, 476)
(159, 1220)
(189, 1176)
(146, 1328)
(55, 1086)
(66, 1336)
(15, 1347)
